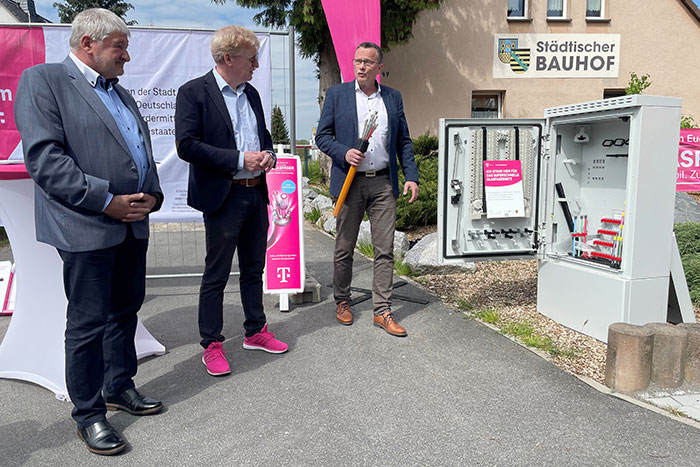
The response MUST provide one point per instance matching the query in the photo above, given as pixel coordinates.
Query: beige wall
(451, 55)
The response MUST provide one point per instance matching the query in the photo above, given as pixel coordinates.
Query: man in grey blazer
(88, 150)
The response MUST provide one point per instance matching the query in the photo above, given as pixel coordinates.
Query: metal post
(292, 95)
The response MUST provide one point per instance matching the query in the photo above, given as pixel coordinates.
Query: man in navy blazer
(220, 130)
(89, 152)
(375, 187)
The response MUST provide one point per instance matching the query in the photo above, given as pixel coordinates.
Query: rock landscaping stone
(423, 259)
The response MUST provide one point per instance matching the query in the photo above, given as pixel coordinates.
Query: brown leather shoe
(343, 313)
(387, 322)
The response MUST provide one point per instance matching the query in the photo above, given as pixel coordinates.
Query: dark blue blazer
(205, 138)
(337, 132)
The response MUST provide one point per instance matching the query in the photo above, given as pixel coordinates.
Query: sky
(204, 14)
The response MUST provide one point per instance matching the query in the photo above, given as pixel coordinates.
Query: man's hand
(413, 186)
(354, 157)
(268, 162)
(130, 208)
(257, 160)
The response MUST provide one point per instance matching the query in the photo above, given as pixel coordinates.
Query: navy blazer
(75, 153)
(205, 138)
(337, 133)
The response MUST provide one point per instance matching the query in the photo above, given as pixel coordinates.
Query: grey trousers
(373, 195)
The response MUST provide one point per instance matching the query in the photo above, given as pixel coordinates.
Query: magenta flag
(351, 23)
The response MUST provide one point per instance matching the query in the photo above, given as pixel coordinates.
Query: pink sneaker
(264, 340)
(215, 361)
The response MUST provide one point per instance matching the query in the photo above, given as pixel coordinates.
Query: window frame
(602, 12)
(488, 93)
(526, 12)
(563, 15)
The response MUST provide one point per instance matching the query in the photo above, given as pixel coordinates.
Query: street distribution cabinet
(589, 191)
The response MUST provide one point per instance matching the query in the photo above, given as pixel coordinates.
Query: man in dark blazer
(89, 152)
(220, 130)
(375, 187)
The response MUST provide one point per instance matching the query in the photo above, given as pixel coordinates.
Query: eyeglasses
(360, 61)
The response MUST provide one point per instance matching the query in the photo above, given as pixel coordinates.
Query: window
(555, 9)
(594, 8)
(517, 8)
(613, 92)
(486, 105)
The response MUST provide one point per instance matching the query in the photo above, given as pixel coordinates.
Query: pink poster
(284, 268)
(688, 176)
(21, 48)
(503, 182)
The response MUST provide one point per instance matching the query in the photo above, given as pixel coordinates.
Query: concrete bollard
(692, 359)
(628, 361)
(668, 359)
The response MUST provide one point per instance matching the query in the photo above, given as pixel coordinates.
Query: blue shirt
(125, 120)
(245, 125)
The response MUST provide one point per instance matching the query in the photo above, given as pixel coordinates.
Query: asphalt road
(453, 392)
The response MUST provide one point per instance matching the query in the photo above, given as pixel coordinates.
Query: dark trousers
(105, 288)
(241, 222)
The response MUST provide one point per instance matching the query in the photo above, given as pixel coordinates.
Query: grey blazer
(75, 153)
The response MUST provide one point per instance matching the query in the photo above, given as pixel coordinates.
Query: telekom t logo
(2, 114)
(283, 274)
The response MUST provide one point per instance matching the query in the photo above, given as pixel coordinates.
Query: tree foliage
(69, 8)
(280, 135)
(637, 84)
(687, 121)
(313, 36)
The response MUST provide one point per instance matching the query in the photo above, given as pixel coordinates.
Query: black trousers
(105, 289)
(240, 223)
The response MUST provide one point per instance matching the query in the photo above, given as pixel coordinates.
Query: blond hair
(230, 40)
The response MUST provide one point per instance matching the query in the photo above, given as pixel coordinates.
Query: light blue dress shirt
(125, 120)
(245, 125)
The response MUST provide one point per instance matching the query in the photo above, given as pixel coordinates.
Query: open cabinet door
(489, 189)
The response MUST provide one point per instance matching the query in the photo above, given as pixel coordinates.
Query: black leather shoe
(101, 438)
(133, 402)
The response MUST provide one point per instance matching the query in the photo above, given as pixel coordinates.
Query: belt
(374, 173)
(249, 182)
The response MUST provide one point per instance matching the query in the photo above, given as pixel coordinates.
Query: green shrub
(688, 237)
(313, 216)
(691, 266)
(423, 211)
(314, 173)
(425, 144)
(3, 237)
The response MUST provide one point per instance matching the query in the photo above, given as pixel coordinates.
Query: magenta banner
(21, 48)
(284, 268)
(688, 176)
(350, 24)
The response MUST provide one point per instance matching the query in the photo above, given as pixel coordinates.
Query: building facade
(23, 11)
(514, 58)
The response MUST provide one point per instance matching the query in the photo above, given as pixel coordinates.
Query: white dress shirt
(245, 126)
(377, 155)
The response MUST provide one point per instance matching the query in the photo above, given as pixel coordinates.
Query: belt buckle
(247, 180)
(371, 173)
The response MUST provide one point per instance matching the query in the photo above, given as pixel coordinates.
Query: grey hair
(96, 23)
(372, 45)
(230, 40)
